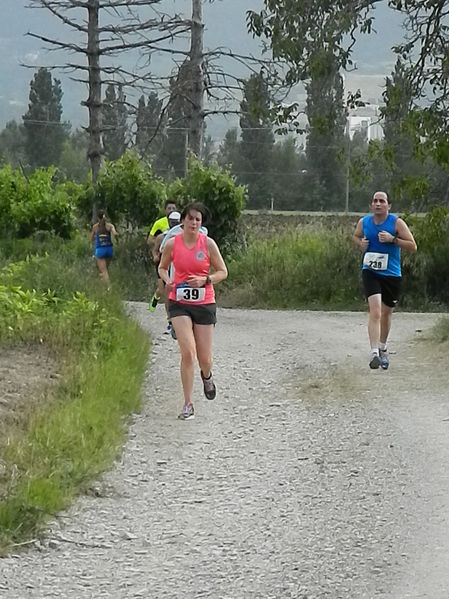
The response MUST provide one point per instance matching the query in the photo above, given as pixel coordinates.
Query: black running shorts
(203, 314)
(388, 287)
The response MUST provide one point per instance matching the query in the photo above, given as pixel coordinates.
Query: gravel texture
(309, 477)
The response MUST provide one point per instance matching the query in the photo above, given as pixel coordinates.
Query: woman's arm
(216, 260)
(112, 230)
(165, 262)
(92, 232)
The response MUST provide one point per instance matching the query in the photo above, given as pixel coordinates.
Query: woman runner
(102, 235)
(191, 306)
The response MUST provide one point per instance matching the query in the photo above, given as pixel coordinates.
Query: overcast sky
(225, 26)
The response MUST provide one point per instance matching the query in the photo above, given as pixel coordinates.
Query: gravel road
(309, 477)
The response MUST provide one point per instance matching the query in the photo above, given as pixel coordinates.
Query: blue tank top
(382, 258)
(103, 240)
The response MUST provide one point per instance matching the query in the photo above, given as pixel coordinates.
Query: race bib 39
(185, 293)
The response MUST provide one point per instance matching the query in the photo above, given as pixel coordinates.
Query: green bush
(128, 191)
(426, 272)
(65, 266)
(217, 189)
(35, 204)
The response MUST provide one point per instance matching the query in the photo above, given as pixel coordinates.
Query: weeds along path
(308, 476)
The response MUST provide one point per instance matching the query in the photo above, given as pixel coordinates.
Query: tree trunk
(93, 102)
(197, 73)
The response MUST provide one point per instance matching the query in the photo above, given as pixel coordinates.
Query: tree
(114, 122)
(223, 197)
(124, 28)
(176, 142)
(257, 141)
(44, 132)
(287, 175)
(229, 150)
(327, 120)
(150, 127)
(128, 190)
(297, 29)
(403, 168)
(12, 144)
(74, 163)
(208, 153)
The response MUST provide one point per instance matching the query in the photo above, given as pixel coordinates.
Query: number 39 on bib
(190, 294)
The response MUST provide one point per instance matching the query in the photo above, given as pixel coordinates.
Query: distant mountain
(225, 26)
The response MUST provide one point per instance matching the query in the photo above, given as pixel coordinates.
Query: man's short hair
(379, 194)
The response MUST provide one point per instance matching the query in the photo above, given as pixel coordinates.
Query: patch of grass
(58, 448)
(297, 269)
(72, 438)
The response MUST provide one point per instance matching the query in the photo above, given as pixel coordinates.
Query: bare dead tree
(126, 29)
(197, 72)
(140, 26)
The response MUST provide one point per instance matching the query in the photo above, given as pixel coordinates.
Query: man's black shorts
(203, 314)
(388, 287)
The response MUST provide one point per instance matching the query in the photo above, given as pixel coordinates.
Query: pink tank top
(191, 261)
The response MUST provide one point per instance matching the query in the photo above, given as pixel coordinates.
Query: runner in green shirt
(158, 228)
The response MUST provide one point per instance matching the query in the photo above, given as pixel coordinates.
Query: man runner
(381, 236)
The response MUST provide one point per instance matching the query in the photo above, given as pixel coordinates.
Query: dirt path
(309, 477)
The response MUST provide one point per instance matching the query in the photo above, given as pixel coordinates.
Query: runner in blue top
(381, 236)
(102, 235)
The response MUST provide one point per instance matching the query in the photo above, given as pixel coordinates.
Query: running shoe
(210, 391)
(168, 329)
(375, 362)
(173, 332)
(187, 412)
(153, 303)
(384, 361)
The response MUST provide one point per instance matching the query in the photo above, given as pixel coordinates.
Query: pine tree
(114, 122)
(229, 150)
(150, 128)
(176, 146)
(288, 178)
(44, 132)
(257, 141)
(12, 144)
(326, 114)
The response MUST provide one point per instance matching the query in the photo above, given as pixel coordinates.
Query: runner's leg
(186, 341)
(385, 323)
(103, 268)
(375, 312)
(203, 334)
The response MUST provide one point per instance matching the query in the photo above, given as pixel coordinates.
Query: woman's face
(193, 220)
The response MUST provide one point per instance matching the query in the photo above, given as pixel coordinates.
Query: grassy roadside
(61, 444)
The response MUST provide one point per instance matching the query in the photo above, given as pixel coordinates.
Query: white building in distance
(367, 120)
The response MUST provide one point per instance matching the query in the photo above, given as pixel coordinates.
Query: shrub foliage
(36, 203)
